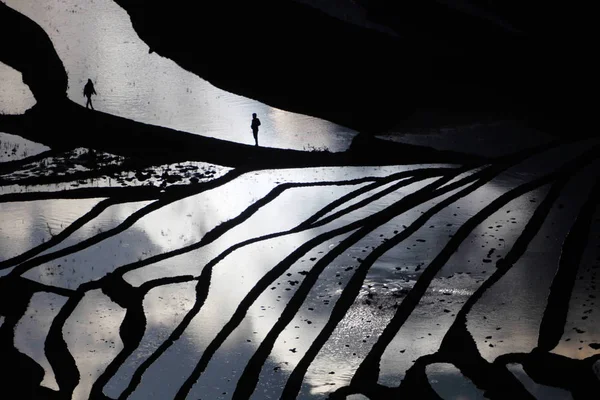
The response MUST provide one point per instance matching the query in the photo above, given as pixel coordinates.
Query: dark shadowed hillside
(463, 57)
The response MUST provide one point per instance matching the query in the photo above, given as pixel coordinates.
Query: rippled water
(13, 147)
(15, 96)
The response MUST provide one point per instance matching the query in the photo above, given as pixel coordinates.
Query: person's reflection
(255, 124)
(88, 91)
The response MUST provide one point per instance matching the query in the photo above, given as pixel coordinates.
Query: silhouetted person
(88, 91)
(254, 126)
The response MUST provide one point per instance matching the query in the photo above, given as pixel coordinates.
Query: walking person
(88, 91)
(255, 124)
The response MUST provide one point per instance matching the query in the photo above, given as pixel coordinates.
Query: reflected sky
(15, 96)
(25, 225)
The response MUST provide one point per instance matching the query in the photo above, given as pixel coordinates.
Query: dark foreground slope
(297, 58)
(25, 47)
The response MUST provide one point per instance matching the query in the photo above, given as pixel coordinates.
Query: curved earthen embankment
(68, 125)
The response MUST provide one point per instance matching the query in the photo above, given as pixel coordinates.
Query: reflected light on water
(24, 225)
(15, 96)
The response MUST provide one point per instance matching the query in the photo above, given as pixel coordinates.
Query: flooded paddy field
(133, 278)
(272, 282)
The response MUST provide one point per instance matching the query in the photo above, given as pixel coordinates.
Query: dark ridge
(443, 59)
(34, 286)
(557, 308)
(27, 48)
(120, 194)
